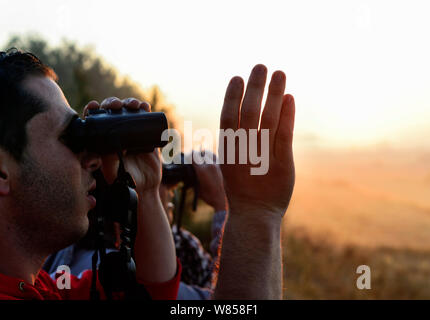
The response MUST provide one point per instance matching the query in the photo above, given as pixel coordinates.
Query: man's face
(52, 183)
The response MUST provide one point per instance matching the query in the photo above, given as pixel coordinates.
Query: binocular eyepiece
(110, 131)
(181, 172)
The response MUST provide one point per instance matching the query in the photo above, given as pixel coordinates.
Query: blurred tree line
(84, 76)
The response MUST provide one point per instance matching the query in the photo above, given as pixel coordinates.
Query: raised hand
(250, 264)
(271, 191)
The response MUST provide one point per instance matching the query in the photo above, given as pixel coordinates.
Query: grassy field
(351, 208)
(314, 268)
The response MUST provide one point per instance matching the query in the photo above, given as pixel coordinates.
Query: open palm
(272, 190)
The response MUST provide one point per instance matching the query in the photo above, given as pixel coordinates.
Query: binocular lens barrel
(110, 131)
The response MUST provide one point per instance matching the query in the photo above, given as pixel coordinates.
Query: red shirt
(45, 288)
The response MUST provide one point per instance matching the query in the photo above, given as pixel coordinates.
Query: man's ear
(4, 173)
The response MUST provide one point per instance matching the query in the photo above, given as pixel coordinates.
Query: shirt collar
(17, 288)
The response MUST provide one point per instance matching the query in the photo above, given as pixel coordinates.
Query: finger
(284, 133)
(250, 111)
(131, 103)
(91, 105)
(273, 106)
(230, 110)
(111, 103)
(230, 114)
(110, 164)
(145, 106)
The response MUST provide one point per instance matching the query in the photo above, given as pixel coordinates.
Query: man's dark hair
(18, 105)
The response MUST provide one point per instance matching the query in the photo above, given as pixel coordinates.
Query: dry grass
(315, 268)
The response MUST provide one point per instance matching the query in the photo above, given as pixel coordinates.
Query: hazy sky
(359, 70)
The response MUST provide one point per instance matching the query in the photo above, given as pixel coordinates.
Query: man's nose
(91, 161)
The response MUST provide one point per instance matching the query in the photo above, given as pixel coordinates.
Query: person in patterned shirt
(199, 267)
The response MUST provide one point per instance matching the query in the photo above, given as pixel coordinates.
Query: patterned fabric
(196, 262)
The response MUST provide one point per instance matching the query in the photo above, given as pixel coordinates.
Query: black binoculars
(110, 131)
(180, 172)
